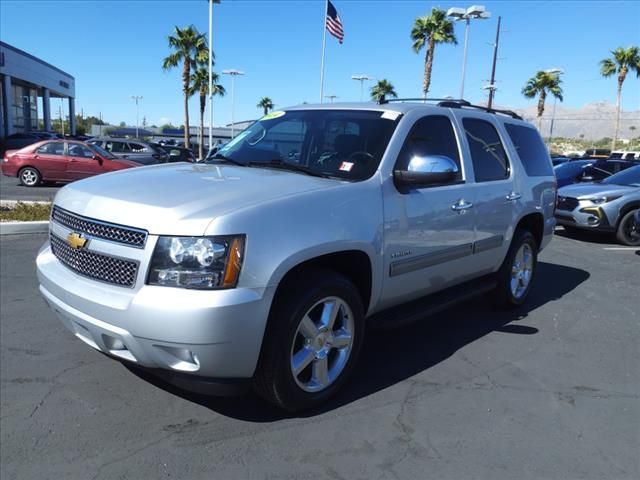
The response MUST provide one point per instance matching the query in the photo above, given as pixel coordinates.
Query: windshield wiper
(279, 163)
(219, 156)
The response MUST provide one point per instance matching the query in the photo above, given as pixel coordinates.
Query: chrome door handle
(461, 205)
(513, 196)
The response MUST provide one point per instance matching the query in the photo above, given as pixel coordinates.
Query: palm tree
(265, 104)
(190, 48)
(541, 84)
(200, 85)
(382, 89)
(431, 30)
(624, 60)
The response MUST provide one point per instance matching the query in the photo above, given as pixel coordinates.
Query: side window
(77, 150)
(118, 147)
(52, 148)
(531, 150)
(137, 148)
(487, 153)
(432, 135)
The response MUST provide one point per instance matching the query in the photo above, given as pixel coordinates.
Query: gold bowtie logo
(76, 241)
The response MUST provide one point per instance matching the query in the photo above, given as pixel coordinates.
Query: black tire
(274, 379)
(29, 177)
(628, 232)
(504, 294)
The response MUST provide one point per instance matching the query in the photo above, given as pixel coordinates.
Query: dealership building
(31, 90)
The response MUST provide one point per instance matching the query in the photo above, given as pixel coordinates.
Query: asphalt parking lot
(548, 391)
(11, 189)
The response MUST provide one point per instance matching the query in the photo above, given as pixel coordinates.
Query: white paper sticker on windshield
(346, 166)
(390, 115)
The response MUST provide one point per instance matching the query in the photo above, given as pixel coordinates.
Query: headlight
(197, 262)
(601, 200)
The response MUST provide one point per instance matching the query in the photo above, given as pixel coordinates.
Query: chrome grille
(95, 265)
(107, 231)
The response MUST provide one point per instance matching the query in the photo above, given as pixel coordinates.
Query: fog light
(592, 220)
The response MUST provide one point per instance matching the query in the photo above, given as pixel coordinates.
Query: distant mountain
(594, 121)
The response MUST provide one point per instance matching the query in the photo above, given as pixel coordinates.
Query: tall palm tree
(200, 85)
(431, 30)
(624, 60)
(383, 88)
(541, 84)
(265, 104)
(190, 48)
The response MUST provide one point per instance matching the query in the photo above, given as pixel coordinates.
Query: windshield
(101, 151)
(629, 177)
(346, 144)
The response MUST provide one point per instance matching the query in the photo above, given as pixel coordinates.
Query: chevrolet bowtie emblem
(76, 241)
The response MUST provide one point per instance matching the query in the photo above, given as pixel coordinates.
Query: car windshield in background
(571, 168)
(101, 151)
(345, 144)
(629, 177)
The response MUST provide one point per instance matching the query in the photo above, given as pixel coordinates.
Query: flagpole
(210, 76)
(324, 44)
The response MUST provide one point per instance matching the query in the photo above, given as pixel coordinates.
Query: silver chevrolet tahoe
(264, 266)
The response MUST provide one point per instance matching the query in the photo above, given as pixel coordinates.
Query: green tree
(383, 88)
(542, 84)
(265, 104)
(624, 60)
(190, 48)
(200, 86)
(431, 30)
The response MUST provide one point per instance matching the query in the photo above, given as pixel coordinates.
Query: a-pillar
(46, 109)
(7, 102)
(72, 115)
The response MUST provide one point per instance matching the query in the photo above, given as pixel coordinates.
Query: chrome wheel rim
(29, 177)
(322, 344)
(521, 270)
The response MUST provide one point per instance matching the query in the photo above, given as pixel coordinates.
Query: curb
(17, 228)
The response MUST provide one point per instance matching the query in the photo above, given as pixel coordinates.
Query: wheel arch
(534, 222)
(626, 209)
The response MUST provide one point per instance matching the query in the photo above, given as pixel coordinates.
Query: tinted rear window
(487, 153)
(531, 150)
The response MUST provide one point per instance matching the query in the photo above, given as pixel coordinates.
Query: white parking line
(621, 248)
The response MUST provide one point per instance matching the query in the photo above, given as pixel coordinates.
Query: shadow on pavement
(391, 356)
(601, 238)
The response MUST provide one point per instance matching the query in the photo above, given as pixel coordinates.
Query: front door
(81, 162)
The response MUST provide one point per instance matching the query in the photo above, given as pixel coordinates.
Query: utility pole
(492, 82)
(136, 98)
(234, 73)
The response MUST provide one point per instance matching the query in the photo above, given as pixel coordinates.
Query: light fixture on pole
(361, 79)
(234, 74)
(211, 2)
(557, 72)
(136, 98)
(475, 12)
(331, 97)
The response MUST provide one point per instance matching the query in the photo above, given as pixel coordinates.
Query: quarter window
(487, 152)
(531, 150)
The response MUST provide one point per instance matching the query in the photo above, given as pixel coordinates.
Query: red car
(60, 161)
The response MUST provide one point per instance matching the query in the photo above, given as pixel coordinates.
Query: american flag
(334, 24)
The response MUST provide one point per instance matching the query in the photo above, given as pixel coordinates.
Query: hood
(581, 190)
(180, 198)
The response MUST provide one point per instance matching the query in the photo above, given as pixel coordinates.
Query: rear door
(81, 162)
(51, 161)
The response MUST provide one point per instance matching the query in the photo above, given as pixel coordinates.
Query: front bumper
(209, 334)
(588, 218)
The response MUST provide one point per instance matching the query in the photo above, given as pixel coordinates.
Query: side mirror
(426, 171)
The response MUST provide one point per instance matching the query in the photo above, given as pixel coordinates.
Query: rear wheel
(313, 339)
(628, 232)
(29, 177)
(515, 276)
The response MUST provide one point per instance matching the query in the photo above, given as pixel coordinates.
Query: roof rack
(452, 103)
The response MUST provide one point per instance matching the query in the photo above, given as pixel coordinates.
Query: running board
(421, 308)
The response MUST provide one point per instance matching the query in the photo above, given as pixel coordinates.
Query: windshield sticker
(272, 115)
(346, 166)
(389, 115)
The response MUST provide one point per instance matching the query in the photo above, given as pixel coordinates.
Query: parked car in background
(593, 170)
(60, 161)
(597, 152)
(135, 150)
(558, 160)
(177, 154)
(625, 155)
(609, 206)
(18, 140)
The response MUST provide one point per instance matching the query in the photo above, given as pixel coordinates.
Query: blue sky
(115, 49)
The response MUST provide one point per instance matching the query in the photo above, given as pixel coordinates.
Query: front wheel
(29, 177)
(515, 276)
(313, 339)
(629, 230)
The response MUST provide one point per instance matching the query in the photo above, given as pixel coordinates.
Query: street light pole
(492, 82)
(361, 79)
(211, 2)
(136, 98)
(234, 74)
(475, 12)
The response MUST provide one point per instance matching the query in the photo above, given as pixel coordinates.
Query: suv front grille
(95, 265)
(107, 231)
(567, 203)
